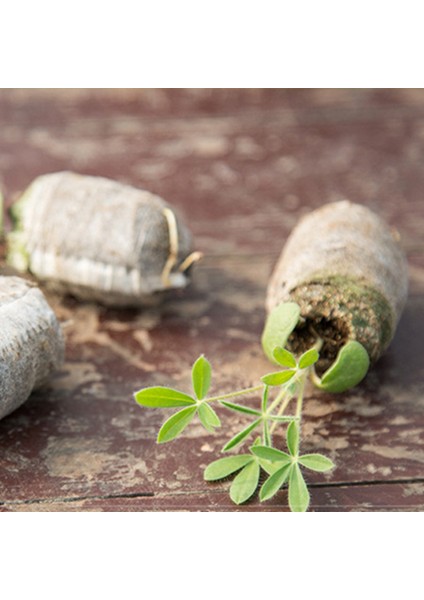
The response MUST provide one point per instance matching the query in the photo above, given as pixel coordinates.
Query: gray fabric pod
(345, 268)
(99, 239)
(31, 342)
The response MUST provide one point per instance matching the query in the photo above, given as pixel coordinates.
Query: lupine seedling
(277, 391)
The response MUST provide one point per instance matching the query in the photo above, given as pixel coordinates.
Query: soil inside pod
(334, 334)
(337, 310)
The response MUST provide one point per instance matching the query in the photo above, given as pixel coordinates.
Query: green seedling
(277, 391)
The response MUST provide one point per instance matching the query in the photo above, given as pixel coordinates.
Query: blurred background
(250, 160)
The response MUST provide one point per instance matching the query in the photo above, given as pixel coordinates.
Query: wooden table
(241, 166)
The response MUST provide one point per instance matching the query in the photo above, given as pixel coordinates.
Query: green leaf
(176, 424)
(284, 358)
(274, 482)
(269, 467)
(208, 417)
(239, 408)
(162, 397)
(278, 378)
(308, 358)
(271, 454)
(298, 492)
(316, 462)
(201, 377)
(225, 466)
(245, 483)
(282, 418)
(348, 370)
(264, 403)
(237, 439)
(293, 438)
(280, 322)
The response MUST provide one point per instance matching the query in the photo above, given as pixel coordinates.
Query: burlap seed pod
(31, 342)
(99, 239)
(345, 268)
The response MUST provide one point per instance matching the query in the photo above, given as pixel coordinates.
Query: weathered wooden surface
(241, 166)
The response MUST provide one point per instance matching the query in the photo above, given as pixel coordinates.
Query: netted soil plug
(31, 342)
(99, 240)
(344, 267)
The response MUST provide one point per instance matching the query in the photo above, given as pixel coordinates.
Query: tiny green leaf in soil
(278, 378)
(284, 358)
(308, 358)
(280, 323)
(348, 369)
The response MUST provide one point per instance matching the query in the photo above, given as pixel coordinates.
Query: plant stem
(282, 408)
(250, 390)
(299, 405)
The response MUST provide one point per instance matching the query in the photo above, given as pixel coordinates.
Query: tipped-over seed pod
(344, 267)
(99, 239)
(31, 341)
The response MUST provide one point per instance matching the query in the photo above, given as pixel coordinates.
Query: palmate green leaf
(349, 368)
(176, 424)
(271, 454)
(226, 466)
(278, 378)
(162, 397)
(274, 483)
(298, 491)
(292, 438)
(208, 417)
(280, 322)
(245, 483)
(284, 358)
(240, 408)
(239, 437)
(316, 462)
(308, 358)
(201, 377)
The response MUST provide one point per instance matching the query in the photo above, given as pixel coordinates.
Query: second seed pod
(99, 239)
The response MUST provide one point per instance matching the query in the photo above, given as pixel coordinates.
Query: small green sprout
(278, 389)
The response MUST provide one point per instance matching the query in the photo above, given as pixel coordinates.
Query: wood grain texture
(241, 166)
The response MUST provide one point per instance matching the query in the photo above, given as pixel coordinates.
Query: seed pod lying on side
(344, 268)
(99, 239)
(31, 341)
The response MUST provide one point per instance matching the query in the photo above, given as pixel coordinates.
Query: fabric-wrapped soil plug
(345, 269)
(31, 342)
(99, 239)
